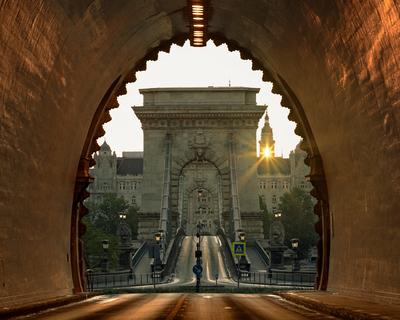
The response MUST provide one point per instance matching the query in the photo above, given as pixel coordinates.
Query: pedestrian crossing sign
(239, 248)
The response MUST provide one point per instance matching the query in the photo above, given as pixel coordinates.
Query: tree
(102, 224)
(267, 217)
(298, 219)
(105, 215)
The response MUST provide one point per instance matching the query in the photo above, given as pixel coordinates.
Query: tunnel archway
(348, 56)
(303, 129)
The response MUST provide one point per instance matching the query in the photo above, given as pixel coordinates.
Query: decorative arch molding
(289, 100)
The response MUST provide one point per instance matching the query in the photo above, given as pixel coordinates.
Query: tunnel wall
(58, 60)
(340, 59)
(341, 62)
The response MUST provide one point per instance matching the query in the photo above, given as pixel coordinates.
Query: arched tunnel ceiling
(339, 59)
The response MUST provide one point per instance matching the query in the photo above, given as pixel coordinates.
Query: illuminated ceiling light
(197, 22)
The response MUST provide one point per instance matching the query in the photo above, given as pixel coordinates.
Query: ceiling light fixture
(198, 22)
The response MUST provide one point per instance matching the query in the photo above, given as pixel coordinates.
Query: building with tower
(278, 175)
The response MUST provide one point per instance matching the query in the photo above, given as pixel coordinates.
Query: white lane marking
(228, 308)
(107, 300)
(207, 297)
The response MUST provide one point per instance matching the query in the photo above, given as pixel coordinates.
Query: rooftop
(199, 96)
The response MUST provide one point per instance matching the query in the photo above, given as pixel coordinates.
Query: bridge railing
(139, 254)
(261, 251)
(173, 253)
(280, 278)
(229, 260)
(117, 280)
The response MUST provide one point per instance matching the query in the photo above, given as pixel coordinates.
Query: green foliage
(267, 217)
(298, 219)
(102, 224)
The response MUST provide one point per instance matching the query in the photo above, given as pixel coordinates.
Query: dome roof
(105, 147)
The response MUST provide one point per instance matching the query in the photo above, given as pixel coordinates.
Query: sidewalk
(342, 306)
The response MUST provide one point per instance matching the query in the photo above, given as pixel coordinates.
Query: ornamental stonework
(194, 124)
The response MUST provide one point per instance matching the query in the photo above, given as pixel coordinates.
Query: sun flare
(267, 152)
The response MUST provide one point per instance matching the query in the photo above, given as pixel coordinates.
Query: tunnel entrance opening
(193, 204)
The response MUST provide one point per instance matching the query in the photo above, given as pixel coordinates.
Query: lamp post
(295, 247)
(105, 244)
(277, 239)
(198, 255)
(124, 234)
(157, 260)
(278, 214)
(241, 235)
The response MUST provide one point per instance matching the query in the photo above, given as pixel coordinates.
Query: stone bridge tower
(200, 160)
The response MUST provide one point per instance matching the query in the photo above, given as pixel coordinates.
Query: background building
(120, 175)
(278, 175)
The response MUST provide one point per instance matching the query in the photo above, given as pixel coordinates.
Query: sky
(196, 67)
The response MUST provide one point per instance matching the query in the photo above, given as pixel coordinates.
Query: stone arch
(219, 162)
(303, 129)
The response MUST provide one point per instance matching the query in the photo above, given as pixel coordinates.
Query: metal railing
(173, 252)
(264, 254)
(140, 252)
(117, 280)
(279, 278)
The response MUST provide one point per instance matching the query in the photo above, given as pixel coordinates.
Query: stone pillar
(234, 189)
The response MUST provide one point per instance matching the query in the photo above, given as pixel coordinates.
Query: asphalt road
(213, 263)
(182, 306)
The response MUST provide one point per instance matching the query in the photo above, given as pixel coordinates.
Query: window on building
(133, 200)
(273, 198)
(285, 184)
(273, 184)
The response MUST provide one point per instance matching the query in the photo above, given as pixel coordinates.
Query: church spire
(267, 142)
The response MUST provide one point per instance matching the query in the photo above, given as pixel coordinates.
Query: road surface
(213, 262)
(182, 306)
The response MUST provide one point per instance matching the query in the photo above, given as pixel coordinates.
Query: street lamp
(295, 247)
(199, 194)
(277, 214)
(198, 255)
(105, 244)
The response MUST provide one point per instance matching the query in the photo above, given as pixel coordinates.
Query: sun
(267, 152)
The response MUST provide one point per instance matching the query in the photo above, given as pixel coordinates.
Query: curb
(337, 311)
(8, 313)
